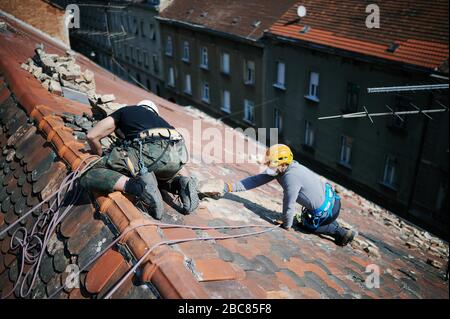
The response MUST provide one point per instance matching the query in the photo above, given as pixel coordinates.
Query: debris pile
(411, 236)
(57, 72)
(81, 124)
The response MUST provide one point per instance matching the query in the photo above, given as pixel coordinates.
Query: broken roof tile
(217, 269)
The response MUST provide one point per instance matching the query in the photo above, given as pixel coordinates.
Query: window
(187, 84)
(155, 64)
(145, 53)
(389, 171)
(249, 74)
(226, 107)
(152, 32)
(309, 134)
(352, 97)
(280, 82)
(171, 79)
(278, 121)
(225, 63)
(139, 56)
(142, 28)
(169, 46)
(127, 53)
(346, 150)
(401, 103)
(149, 85)
(249, 107)
(186, 55)
(205, 92)
(313, 87)
(204, 58)
(132, 53)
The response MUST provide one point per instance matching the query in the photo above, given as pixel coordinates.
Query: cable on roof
(167, 242)
(33, 244)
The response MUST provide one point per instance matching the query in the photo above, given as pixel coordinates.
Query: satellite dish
(301, 11)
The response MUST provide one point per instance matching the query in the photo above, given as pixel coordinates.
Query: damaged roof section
(278, 264)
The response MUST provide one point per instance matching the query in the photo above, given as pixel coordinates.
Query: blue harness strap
(319, 215)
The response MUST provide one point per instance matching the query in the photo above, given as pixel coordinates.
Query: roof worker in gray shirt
(321, 205)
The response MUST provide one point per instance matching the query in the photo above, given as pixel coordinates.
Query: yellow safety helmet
(279, 154)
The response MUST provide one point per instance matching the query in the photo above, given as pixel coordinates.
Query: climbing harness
(313, 219)
(34, 244)
(149, 136)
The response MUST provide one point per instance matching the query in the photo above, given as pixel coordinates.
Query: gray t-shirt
(300, 185)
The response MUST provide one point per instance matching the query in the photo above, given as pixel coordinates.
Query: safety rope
(33, 244)
(167, 242)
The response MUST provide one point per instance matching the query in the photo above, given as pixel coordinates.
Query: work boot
(145, 189)
(346, 238)
(187, 190)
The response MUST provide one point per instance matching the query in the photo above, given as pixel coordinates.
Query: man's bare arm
(101, 130)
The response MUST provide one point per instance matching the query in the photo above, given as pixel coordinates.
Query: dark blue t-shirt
(132, 120)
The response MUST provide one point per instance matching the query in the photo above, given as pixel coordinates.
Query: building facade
(124, 38)
(213, 56)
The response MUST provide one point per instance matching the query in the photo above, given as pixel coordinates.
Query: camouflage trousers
(164, 158)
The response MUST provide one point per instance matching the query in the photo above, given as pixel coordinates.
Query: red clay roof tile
(309, 260)
(419, 28)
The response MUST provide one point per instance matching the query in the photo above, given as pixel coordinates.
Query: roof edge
(199, 27)
(351, 54)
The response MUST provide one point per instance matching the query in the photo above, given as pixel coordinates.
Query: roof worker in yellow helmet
(321, 205)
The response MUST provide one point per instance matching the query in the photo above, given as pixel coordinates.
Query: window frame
(204, 52)
(278, 84)
(206, 88)
(309, 138)
(189, 92)
(225, 108)
(390, 171)
(252, 72)
(353, 91)
(186, 57)
(171, 78)
(346, 148)
(167, 51)
(251, 105)
(278, 120)
(222, 64)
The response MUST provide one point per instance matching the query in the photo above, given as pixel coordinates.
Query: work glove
(212, 188)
